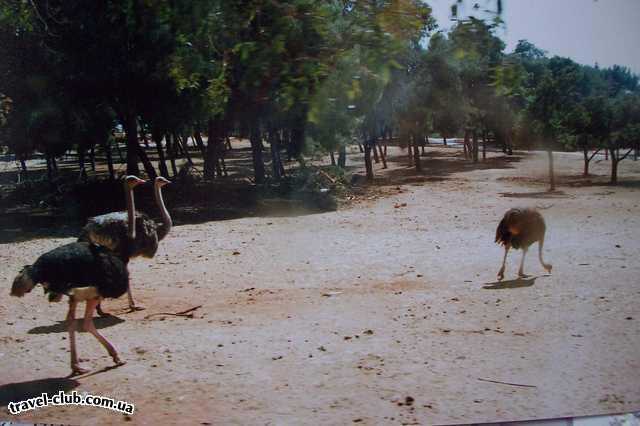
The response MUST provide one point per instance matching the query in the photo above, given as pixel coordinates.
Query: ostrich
(86, 273)
(519, 228)
(110, 231)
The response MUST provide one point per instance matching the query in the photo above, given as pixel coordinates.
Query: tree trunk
(148, 167)
(162, 165)
(298, 135)
(342, 156)
(585, 153)
(22, 176)
(416, 156)
(614, 166)
(256, 151)
(49, 167)
(465, 145)
(119, 151)
(552, 178)
(383, 156)
(484, 145)
(475, 147)
(171, 150)
(211, 155)
(275, 149)
(131, 130)
(388, 140)
(92, 157)
(107, 151)
(198, 138)
(444, 140)
(367, 161)
(184, 143)
(333, 158)
(81, 163)
(376, 158)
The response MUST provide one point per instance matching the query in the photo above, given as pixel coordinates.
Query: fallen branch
(506, 383)
(187, 313)
(325, 174)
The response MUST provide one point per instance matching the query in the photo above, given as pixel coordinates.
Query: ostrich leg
(91, 328)
(504, 261)
(132, 304)
(546, 266)
(521, 273)
(71, 324)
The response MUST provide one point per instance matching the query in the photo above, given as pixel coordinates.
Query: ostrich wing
(110, 231)
(81, 264)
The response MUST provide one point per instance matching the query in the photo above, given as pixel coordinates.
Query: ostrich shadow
(62, 327)
(509, 284)
(14, 392)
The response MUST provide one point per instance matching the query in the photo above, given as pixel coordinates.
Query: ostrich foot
(76, 370)
(134, 308)
(101, 312)
(523, 275)
(548, 268)
(501, 274)
(117, 361)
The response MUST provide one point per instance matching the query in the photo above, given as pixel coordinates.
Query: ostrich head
(133, 181)
(160, 181)
(23, 282)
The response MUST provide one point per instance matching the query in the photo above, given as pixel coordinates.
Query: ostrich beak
(161, 181)
(133, 181)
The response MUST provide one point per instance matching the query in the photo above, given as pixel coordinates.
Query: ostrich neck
(131, 214)
(167, 223)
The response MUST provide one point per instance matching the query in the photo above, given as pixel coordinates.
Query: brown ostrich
(86, 273)
(519, 228)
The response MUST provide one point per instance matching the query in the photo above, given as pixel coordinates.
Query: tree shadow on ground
(63, 211)
(438, 166)
(62, 327)
(14, 392)
(510, 284)
(41, 210)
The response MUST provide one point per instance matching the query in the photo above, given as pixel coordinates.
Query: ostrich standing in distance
(110, 231)
(86, 273)
(519, 228)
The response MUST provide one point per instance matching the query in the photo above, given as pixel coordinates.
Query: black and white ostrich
(86, 273)
(110, 231)
(519, 228)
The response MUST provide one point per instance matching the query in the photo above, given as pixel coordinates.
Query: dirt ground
(379, 313)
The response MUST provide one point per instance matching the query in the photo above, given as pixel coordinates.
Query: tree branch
(625, 155)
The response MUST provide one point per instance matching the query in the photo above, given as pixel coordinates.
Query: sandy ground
(378, 313)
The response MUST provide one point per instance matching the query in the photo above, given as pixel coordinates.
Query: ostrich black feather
(81, 264)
